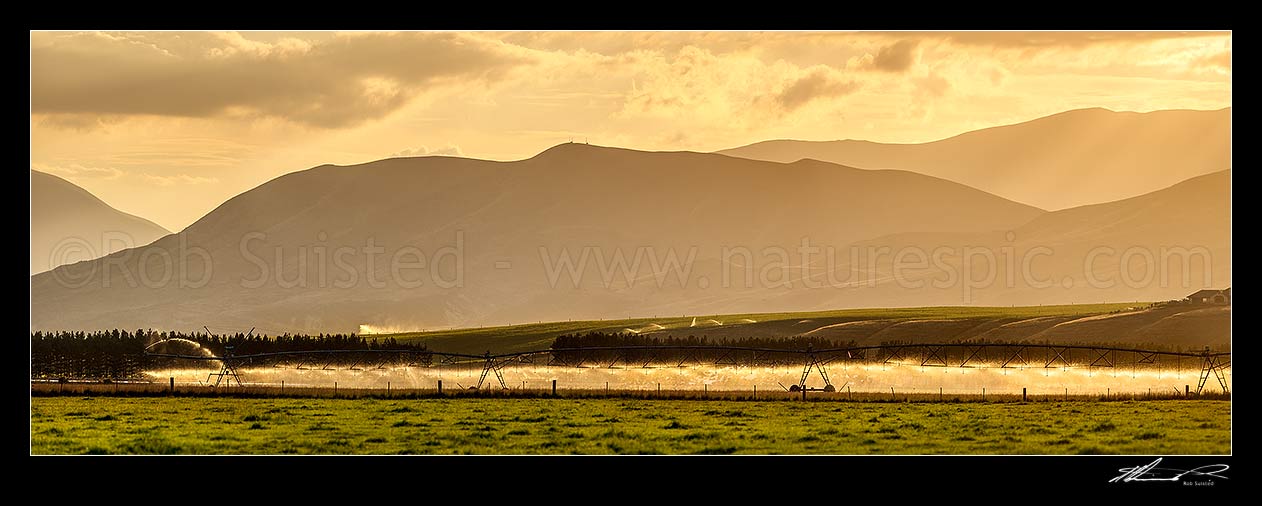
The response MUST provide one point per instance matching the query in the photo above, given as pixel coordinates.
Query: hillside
(1064, 160)
(1175, 325)
(1173, 242)
(68, 225)
(489, 235)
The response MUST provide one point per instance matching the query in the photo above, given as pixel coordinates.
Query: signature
(1151, 472)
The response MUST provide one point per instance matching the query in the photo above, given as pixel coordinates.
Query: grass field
(76, 425)
(540, 335)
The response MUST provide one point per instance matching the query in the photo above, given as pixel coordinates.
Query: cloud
(897, 57)
(183, 179)
(933, 85)
(694, 83)
(331, 82)
(998, 75)
(1220, 61)
(180, 153)
(698, 90)
(450, 150)
(78, 122)
(817, 84)
(77, 171)
(81, 172)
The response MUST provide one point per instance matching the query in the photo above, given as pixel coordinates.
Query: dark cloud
(896, 57)
(332, 82)
(818, 84)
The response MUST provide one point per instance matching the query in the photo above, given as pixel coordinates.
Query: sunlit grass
(72, 425)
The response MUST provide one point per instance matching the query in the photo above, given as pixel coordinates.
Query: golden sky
(168, 125)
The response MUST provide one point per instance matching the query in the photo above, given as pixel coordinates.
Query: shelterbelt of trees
(602, 339)
(119, 354)
(666, 349)
(590, 347)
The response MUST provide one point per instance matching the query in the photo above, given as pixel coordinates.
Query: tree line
(671, 349)
(578, 349)
(119, 354)
(603, 339)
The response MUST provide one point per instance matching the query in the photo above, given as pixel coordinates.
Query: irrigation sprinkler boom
(955, 355)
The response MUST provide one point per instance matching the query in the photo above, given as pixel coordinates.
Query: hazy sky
(168, 125)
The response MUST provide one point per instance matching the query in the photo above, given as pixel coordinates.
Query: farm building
(1222, 297)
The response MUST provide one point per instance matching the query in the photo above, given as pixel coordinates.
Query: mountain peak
(575, 148)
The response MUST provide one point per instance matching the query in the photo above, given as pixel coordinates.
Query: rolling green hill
(1174, 325)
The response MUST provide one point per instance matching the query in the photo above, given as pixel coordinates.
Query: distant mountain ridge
(69, 224)
(1162, 245)
(1074, 158)
(510, 223)
(583, 232)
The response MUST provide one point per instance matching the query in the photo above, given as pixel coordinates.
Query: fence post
(440, 387)
(892, 398)
(983, 394)
(387, 389)
(1022, 394)
(939, 394)
(1187, 390)
(755, 391)
(334, 388)
(173, 383)
(282, 386)
(554, 387)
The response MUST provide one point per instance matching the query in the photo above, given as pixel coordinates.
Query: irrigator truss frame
(956, 355)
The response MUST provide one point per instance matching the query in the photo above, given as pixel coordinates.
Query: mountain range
(565, 201)
(1074, 158)
(69, 224)
(429, 242)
